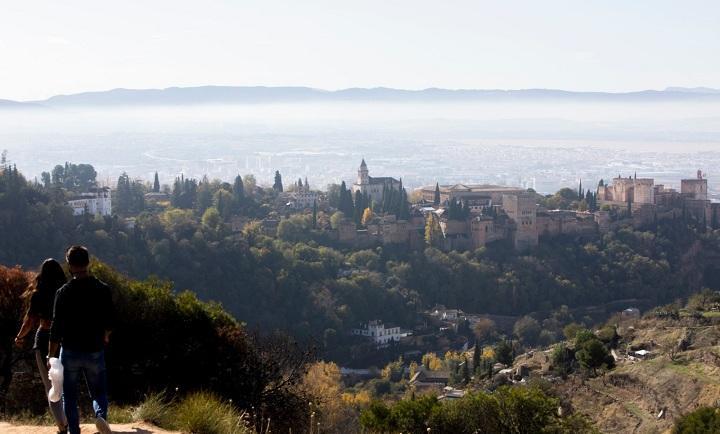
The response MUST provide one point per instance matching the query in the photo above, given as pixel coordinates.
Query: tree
(592, 354)
(527, 329)
(483, 329)
(278, 186)
(336, 218)
(581, 193)
(123, 197)
(156, 183)
(436, 196)
(465, 371)
(323, 383)
(223, 201)
(432, 362)
(249, 185)
(314, 215)
(477, 355)
(705, 420)
(367, 216)
(433, 233)
(46, 180)
(238, 191)
(504, 352)
(211, 218)
(561, 359)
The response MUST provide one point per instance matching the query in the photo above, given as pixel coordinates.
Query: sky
(50, 47)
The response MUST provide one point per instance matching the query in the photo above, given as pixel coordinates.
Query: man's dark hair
(78, 256)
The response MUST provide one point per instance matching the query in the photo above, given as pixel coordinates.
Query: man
(81, 325)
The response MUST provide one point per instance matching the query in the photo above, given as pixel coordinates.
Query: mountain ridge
(211, 94)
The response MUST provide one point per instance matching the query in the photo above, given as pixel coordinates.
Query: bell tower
(363, 174)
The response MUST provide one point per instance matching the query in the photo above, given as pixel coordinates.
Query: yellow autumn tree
(366, 216)
(432, 362)
(322, 381)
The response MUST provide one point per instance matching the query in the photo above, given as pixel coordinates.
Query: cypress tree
(156, 183)
(465, 371)
(436, 198)
(359, 208)
(581, 194)
(476, 357)
(314, 215)
(278, 186)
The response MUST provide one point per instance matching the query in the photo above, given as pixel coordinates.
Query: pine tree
(436, 197)
(278, 186)
(156, 184)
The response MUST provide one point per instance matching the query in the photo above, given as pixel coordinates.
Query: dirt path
(127, 428)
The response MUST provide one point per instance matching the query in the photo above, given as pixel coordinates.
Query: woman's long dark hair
(50, 278)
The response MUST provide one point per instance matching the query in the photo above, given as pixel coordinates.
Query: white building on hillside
(381, 335)
(95, 202)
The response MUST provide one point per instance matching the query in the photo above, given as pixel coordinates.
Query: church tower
(363, 174)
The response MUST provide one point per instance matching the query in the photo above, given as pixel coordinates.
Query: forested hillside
(301, 281)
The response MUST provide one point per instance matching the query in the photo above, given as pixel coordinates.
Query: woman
(39, 315)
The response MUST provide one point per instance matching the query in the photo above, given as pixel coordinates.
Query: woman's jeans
(92, 365)
(56, 408)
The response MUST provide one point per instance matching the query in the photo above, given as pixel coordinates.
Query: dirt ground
(127, 428)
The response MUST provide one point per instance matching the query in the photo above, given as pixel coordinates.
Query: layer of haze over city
(641, 81)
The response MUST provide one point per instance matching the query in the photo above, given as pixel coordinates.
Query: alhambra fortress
(494, 212)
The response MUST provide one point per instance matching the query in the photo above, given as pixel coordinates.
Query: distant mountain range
(181, 96)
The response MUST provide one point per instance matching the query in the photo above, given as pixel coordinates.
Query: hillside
(647, 395)
(632, 397)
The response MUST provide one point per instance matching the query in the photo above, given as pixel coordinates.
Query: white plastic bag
(56, 378)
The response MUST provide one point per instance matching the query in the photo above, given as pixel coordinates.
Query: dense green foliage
(304, 282)
(166, 341)
(506, 410)
(704, 420)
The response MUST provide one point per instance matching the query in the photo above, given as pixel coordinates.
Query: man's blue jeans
(93, 366)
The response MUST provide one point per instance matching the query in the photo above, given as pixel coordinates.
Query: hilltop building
(522, 210)
(633, 190)
(490, 213)
(95, 202)
(475, 196)
(378, 333)
(301, 197)
(373, 186)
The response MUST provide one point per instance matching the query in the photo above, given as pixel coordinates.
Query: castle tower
(363, 174)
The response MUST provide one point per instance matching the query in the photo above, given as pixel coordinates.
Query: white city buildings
(96, 202)
(379, 334)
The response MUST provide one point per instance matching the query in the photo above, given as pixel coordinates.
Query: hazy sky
(52, 47)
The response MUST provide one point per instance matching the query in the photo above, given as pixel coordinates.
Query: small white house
(96, 202)
(381, 335)
(630, 313)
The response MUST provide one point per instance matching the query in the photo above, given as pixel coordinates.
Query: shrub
(704, 420)
(205, 413)
(155, 409)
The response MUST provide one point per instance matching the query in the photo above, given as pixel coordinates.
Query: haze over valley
(536, 139)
